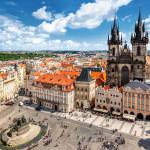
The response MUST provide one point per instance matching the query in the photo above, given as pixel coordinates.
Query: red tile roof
(106, 87)
(36, 73)
(66, 65)
(55, 79)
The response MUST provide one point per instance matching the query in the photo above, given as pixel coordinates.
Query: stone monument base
(28, 133)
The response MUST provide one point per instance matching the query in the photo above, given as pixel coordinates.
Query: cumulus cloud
(89, 16)
(42, 14)
(15, 35)
(123, 34)
(147, 22)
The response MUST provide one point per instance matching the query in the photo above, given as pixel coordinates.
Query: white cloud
(86, 44)
(123, 34)
(11, 3)
(42, 14)
(89, 15)
(58, 25)
(37, 40)
(147, 22)
(126, 17)
(15, 35)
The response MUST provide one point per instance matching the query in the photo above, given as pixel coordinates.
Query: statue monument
(20, 132)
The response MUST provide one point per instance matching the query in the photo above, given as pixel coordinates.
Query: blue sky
(66, 24)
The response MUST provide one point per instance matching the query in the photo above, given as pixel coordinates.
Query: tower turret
(139, 35)
(115, 38)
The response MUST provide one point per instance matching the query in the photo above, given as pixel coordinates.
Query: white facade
(54, 98)
(110, 99)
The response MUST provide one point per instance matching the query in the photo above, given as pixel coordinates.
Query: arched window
(138, 51)
(113, 70)
(113, 51)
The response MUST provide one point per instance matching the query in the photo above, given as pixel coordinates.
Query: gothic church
(124, 65)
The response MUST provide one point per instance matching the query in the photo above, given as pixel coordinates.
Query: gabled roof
(137, 84)
(85, 76)
(106, 87)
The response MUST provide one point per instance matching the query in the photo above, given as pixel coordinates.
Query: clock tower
(125, 65)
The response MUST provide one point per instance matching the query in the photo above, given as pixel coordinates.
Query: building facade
(108, 98)
(7, 87)
(136, 99)
(85, 90)
(56, 92)
(123, 65)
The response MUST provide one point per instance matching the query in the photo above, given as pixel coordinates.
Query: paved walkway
(141, 128)
(121, 126)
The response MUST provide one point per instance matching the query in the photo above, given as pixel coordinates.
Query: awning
(101, 110)
(127, 116)
(116, 113)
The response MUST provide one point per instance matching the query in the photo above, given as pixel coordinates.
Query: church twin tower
(125, 65)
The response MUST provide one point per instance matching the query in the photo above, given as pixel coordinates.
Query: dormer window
(64, 87)
(71, 86)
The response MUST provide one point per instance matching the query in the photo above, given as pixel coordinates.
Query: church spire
(139, 30)
(140, 21)
(115, 38)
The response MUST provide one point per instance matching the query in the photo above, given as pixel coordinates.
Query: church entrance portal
(124, 75)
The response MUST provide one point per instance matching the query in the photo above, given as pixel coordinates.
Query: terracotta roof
(47, 61)
(106, 87)
(120, 89)
(42, 65)
(3, 74)
(72, 74)
(66, 65)
(75, 74)
(96, 75)
(55, 79)
(21, 65)
(98, 82)
(36, 73)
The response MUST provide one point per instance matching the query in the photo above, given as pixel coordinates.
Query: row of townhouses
(65, 91)
(11, 80)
